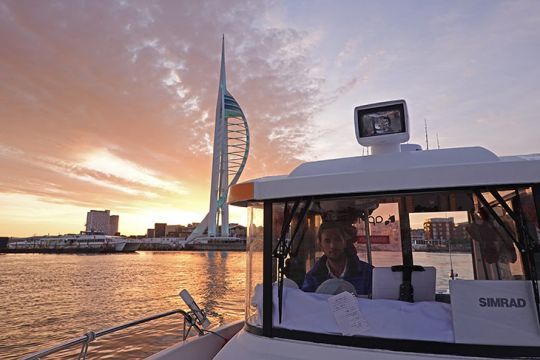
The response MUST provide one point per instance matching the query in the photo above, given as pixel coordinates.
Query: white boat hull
(246, 346)
(119, 246)
(131, 246)
(201, 347)
(76, 244)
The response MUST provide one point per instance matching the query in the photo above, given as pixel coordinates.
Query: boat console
(440, 247)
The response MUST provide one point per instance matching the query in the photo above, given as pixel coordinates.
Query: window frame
(414, 346)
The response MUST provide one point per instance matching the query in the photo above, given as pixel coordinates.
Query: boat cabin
(409, 250)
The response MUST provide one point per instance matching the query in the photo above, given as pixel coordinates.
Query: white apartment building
(101, 221)
(113, 224)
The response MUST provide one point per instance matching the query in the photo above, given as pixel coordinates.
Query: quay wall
(58, 251)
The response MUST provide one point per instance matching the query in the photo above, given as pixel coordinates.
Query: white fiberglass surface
(248, 346)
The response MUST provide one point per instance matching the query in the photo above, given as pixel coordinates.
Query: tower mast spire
(231, 149)
(220, 133)
(224, 166)
(427, 139)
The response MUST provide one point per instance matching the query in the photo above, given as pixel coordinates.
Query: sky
(111, 104)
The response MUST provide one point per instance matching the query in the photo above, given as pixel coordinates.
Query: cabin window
(305, 243)
(466, 235)
(254, 258)
(441, 240)
(530, 217)
(439, 236)
(372, 242)
(529, 212)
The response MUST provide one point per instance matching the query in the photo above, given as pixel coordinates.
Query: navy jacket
(358, 273)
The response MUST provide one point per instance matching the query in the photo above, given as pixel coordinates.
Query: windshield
(394, 252)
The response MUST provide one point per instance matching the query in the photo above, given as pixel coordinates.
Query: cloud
(105, 101)
(107, 163)
(348, 53)
(101, 168)
(136, 83)
(476, 61)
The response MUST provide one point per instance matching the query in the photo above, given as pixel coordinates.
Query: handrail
(90, 336)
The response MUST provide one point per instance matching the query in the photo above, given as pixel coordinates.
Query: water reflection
(48, 298)
(215, 283)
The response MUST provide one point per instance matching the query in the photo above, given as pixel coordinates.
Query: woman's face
(333, 244)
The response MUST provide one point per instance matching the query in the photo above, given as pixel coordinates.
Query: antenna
(425, 129)
(438, 145)
(452, 274)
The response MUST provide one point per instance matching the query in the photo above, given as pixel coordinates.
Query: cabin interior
(426, 248)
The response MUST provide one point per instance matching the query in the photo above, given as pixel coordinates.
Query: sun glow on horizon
(32, 215)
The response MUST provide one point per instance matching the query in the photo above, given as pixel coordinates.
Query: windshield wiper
(283, 247)
(526, 250)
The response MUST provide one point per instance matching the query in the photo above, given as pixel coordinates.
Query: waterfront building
(4, 242)
(113, 224)
(179, 230)
(172, 230)
(418, 237)
(160, 229)
(238, 230)
(98, 221)
(101, 221)
(185, 231)
(439, 230)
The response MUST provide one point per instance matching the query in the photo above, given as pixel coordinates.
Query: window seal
(411, 346)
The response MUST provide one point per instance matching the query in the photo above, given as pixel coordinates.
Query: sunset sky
(110, 104)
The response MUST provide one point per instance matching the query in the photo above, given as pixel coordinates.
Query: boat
(404, 313)
(216, 243)
(75, 243)
(494, 313)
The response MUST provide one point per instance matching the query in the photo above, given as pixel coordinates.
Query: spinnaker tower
(231, 149)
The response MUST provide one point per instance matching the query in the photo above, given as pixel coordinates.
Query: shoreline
(71, 252)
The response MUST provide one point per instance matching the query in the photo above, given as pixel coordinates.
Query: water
(49, 298)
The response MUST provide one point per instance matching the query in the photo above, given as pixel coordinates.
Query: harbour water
(49, 298)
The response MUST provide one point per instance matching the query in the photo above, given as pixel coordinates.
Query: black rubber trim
(252, 329)
(267, 269)
(390, 193)
(412, 346)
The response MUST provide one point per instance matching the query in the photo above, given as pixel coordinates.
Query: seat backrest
(386, 283)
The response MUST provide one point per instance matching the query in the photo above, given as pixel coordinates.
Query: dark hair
(345, 229)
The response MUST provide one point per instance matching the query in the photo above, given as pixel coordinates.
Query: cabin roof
(409, 170)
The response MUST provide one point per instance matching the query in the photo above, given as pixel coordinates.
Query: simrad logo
(502, 302)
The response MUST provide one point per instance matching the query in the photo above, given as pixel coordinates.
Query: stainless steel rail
(90, 336)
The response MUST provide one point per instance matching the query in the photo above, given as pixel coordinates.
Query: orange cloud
(112, 106)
